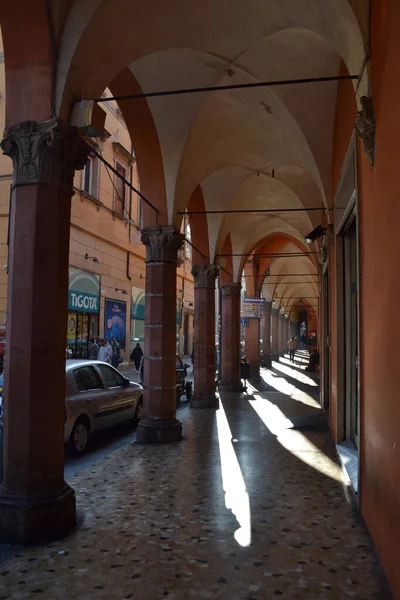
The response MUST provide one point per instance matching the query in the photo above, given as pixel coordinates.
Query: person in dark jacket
(93, 350)
(116, 354)
(136, 356)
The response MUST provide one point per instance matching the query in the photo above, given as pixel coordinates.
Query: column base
(227, 386)
(36, 519)
(254, 370)
(208, 401)
(266, 362)
(275, 357)
(152, 431)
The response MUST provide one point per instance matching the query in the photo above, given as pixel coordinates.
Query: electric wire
(222, 88)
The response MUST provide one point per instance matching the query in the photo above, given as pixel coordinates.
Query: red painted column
(204, 337)
(35, 501)
(230, 343)
(287, 330)
(159, 423)
(266, 329)
(252, 345)
(279, 333)
(275, 333)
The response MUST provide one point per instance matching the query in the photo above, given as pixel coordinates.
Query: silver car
(97, 396)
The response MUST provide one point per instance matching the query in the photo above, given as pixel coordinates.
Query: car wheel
(78, 440)
(139, 411)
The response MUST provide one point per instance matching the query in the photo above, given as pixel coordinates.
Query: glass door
(326, 340)
(351, 328)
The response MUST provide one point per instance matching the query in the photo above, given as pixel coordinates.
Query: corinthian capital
(44, 152)
(231, 289)
(204, 276)
(162, 243)
(365, 127)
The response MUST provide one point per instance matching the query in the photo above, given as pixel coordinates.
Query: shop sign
(138, 303)
(83, 302)
(84, 291)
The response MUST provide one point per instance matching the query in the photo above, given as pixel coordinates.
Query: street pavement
(106, 442)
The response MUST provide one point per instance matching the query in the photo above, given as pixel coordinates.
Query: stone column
(287, 329)
(230, 343)
(204, 337)
(275, 334)
(252, 346)
(279, 333)
(35, 501)
(159, 423)
(266, 324)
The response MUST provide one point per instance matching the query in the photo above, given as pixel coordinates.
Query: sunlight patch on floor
(299, 376)
(294, 441)
(236, 496)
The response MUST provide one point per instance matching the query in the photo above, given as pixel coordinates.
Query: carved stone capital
(44, 152)
(204, 276)
(231, 289)
(365, 127)
(162, 243)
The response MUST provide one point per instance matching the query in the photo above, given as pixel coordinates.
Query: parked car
(97, 397)
(181, 372)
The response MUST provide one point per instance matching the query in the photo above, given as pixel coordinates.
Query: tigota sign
(83, 302)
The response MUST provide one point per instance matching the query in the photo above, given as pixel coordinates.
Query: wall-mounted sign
(84, 291)
(250, 310)
(115, 321)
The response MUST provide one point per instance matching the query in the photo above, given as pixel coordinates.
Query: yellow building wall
(96, 227)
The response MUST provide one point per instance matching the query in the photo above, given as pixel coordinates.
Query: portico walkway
(243, 508)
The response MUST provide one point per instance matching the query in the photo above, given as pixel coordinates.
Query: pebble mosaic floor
(242, 509)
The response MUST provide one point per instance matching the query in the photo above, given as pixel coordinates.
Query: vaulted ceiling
(258, 149)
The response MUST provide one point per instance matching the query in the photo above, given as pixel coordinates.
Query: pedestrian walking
(292, 345)
(105, 352)
(136, 356)
(93, 349)
(116, 354)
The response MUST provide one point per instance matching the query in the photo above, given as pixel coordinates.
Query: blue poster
(115, 321)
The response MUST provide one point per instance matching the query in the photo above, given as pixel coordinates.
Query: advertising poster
(115, 321)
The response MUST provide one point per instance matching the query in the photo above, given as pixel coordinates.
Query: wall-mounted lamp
(141, 276)
(268, 273)
(94, 258)
(315, 234)
(122, 290)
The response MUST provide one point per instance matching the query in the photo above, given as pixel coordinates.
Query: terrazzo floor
(244, 508)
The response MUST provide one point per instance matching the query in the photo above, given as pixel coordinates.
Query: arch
(143, 133)
(271, 243)
(226, 265)
(335, 21)
(199, 228)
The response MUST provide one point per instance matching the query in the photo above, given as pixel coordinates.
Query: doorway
(350, 293)
(326, 340)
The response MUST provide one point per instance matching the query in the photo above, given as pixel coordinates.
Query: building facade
(107, 269)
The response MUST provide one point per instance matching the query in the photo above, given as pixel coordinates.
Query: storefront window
(137, 317)
(83, 313)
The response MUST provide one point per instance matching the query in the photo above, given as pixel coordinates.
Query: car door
(123, 398)
(92, 398)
